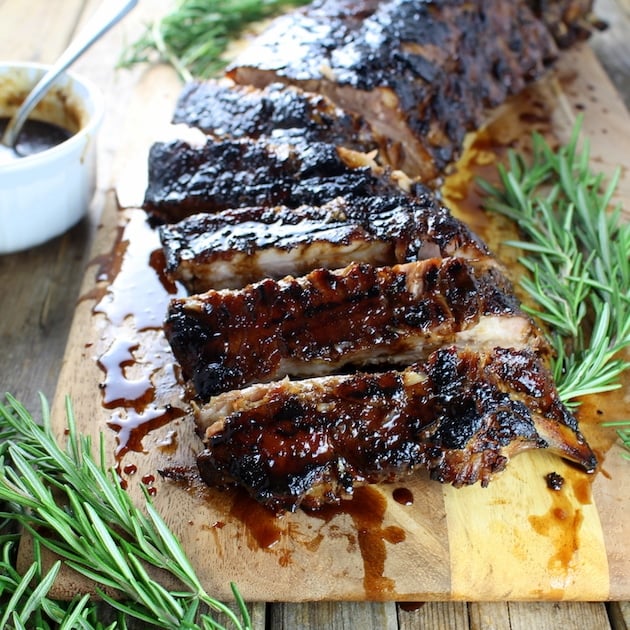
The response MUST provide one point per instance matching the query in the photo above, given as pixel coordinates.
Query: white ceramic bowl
(44, 194)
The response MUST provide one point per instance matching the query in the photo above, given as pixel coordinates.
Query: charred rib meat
(237, 247)
(462, 415)
(326, 320)
(281, 113)
(287, 184)
(423, 74)
(221, 174)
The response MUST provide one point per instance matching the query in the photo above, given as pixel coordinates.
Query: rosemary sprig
(195, 35)
(623, 431)
(72, 505)
(577, 253)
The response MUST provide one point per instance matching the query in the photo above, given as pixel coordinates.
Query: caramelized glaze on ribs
(423, 74)
(221, 174)
(281, 113)
(462, 415)
(236, 247)
(326, 320)
(289, 182)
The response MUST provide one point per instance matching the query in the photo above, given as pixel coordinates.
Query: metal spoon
(108, 14)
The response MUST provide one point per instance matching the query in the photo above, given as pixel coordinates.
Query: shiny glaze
(221, 174)
(136, 373)
(460, 415)
(283, 114)
(329, 319)
(235, 247)
(382, 59)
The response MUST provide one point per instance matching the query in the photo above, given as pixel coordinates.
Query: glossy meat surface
(185, 179)
(423, 74)
(328, 320)
(235, 247)
(281, 113)
(461, 415)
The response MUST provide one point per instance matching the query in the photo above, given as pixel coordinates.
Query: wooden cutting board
(418, 540)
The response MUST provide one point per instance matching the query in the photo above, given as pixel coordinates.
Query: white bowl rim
(92, 94)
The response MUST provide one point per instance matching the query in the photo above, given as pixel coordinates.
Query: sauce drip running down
(36, 136)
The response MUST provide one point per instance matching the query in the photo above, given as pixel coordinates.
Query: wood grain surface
(41, 287)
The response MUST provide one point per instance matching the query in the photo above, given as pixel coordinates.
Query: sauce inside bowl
(36, 136)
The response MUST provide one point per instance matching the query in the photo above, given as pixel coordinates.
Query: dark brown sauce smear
(367, 510)
(133, 291)
(404, 496)
(132, 284)
(562, 522)
(107, 268)
(132, 426)
(118, 389)
(264, 530)
(36, 136)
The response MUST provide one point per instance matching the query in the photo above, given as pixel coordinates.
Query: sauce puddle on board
(367, 510)
(140, 382)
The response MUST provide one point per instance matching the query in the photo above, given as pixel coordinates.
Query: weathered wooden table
(39, 289)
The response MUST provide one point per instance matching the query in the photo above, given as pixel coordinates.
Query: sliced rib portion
(462, 415)
(326, 320)
(281, 113)
(221, 174)
(422, 74)
(236, 247)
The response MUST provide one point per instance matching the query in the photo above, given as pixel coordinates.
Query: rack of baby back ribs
(342, 327)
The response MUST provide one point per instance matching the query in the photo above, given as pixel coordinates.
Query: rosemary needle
(195, 35)
(98, 532)
(577, 252)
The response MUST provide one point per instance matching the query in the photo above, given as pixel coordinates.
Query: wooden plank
(552, 615)
(334, 615)
(51, 26)
(619, 615)
(539, 615)
(434, 615)
(489, 615)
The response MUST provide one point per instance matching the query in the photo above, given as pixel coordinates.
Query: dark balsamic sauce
(554, 481)
(132, 286)
(367, 510)
(404, 496)
(36, 136)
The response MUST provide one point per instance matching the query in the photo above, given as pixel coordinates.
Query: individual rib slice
(185, 179)
(326, 320)
(281, 113)
(236, 247)
(462, 415)
(423, 74)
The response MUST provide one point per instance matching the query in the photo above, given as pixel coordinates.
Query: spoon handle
(108, 14)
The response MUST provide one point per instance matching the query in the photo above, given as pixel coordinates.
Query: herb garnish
(72, 505)
(623, 431)
(194, 36)
(577, 253)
